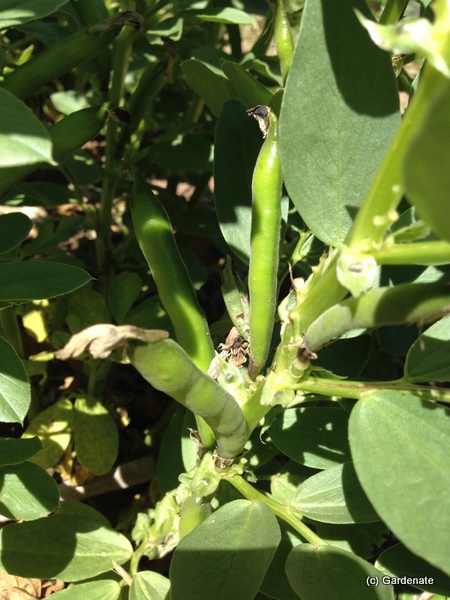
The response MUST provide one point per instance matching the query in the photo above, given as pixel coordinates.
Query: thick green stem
(280, 510)
(379, 208)
(418, 253)
(393, 11)
(356, 389)
(121, 61)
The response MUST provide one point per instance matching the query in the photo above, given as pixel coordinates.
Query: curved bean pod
(155, 237)
(265, 245)
(57, 60)
(283, 37)
(404, 304)
(167, 367)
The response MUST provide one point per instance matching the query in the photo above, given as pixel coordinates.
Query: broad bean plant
(302, 433)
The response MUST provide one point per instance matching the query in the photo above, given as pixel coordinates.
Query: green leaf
(338, 117)
(426, 182)
(14, 228)
(312, 436)
(16, 12)
(69, 101)
(334, 496)
(237, 145)
(96, 436)
(39, 280)
(170, 462)
(14, 451)
(400, 446)
(213, 87)
(428, 358)
(276, 584)
(122, 292)
(15, 391)
(53, 426)
(106, 589)
(148, 584)
(223, 15)
(227, 555)
(398, 561)
(86, 308)
(66, 547)
(28, 492)
(248, 89)
(328, 573)
(23, 138)
(187, 152)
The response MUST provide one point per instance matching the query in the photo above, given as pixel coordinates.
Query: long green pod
(264, 246)
(167, 367)
(283, 37)
(403, 304)
(59, 59)
(67, 135)
(155, 237)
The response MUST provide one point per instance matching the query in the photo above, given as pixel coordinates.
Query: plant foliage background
(224, 355)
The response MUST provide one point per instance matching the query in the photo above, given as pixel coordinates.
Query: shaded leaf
(14, 451)
(53, 426)
(227, 555)
(313, 436)
(71, 548)
(24, 139)
(213, 87)
(122, 292)
(15, 391)
(28, 492)
(405, 474)
(14, 228)
(248, 89)
(428, 358)
(16, 12)
(96, 435)
(39, 280)
(327, 573)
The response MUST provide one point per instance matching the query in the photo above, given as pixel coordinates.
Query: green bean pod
(283, 38)
(58, 60)
(67, 135)
(167, 367)
(264, 247)
(403, 304)
(155, 237)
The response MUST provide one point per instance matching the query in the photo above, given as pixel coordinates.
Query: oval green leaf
(148, 584)
(227, 555)
(328, 573)
(334, 496)
(14, 451)
(15, 391)
(398, 561)
(428, 358)
(212, 86)
(39, 280)
(122, 293)
(96, 436)
(23, 138)
(223, 15)
(66, 547)
(312, 436)
(338, 117)
(53, 426)
(248, 89)
(28, 492)
(14, 228)
(106, 589)
(400, 446)
(17, 12)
